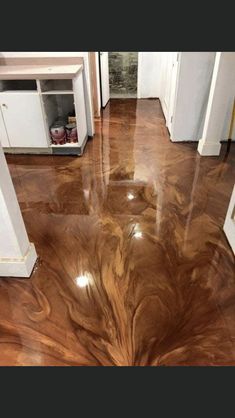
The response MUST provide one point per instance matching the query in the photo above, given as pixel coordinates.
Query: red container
(58, 134)
(71, 132)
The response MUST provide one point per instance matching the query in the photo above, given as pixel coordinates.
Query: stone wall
(123, 73)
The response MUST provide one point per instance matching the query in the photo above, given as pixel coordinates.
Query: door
(3, 133)
(166, 96)
(173, 82)
(23, 117)
(169, 79)
(104, 77)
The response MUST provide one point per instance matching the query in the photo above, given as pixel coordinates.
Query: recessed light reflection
(83, 280)
(138, 234)
(130, 196)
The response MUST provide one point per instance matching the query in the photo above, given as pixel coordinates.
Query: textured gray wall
(123, 73)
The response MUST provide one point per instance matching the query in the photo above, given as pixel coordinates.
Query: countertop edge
(38, 76)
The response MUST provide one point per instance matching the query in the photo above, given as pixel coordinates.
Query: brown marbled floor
(141, 218)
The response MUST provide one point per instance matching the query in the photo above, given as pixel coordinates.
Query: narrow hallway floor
(134, 267)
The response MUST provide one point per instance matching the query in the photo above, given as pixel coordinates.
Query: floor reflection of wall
(118, 154)
(122, 156)
(123, 74)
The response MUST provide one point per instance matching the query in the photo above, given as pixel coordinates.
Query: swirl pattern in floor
(134, 267)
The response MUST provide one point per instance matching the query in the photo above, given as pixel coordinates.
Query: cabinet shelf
(50, 92)
(56, 86)
(67, 145)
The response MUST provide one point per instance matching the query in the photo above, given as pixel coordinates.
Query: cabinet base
(58, 150)
(17, 150)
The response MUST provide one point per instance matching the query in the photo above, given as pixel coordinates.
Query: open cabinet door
(229, 225)
(104, 77)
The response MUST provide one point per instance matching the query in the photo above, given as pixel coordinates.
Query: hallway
(134, 267)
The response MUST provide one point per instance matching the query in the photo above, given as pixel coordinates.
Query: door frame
(100, 78)
(100, 81)
(138, 75)
(173, 92)
(94, 79)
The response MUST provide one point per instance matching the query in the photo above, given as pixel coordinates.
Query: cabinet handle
(4, 105)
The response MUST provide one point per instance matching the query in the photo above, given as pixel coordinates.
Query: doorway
(123, 67)
(142, 75)
(118, 75)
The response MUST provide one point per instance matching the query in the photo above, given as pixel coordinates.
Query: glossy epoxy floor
(134, 268)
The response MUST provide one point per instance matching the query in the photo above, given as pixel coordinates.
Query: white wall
(227, 106)
(194, 79)
(17, 254)
(13, 236)
(149, 75)
(220, 104)
(87, 85)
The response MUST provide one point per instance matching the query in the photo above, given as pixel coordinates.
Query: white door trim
(104, 78)
(139, 74)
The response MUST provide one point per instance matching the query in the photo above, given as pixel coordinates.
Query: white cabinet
(23, 119)
(3, 133)
(29, 107)
(80, 108)
(59, 99)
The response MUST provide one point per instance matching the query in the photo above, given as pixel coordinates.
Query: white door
(3, 133)
(173, 83)
(23, 117)
(104, 75)
(166, 96)
(169, 81)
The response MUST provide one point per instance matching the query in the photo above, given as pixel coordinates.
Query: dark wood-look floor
(134, 267)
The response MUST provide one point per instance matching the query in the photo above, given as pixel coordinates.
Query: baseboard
(183, 141)
(19, 267)
(208, 148)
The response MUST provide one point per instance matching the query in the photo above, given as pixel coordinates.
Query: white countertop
(32, 72)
